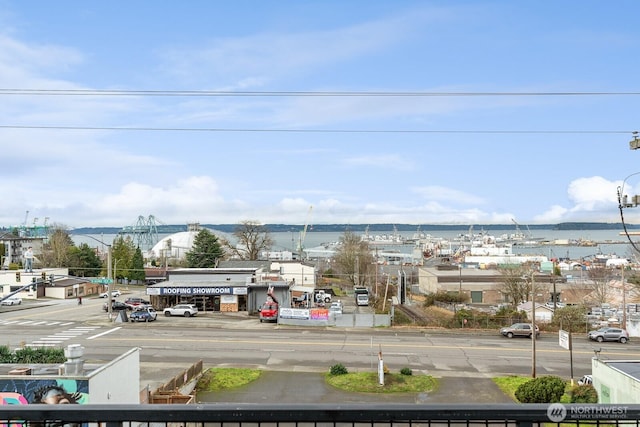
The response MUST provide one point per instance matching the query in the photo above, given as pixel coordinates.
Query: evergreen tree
(84, 261)
(137, 267)
(206, 250)
(122, 253)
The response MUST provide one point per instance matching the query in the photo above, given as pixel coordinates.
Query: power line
(266, 130)
(214, 93)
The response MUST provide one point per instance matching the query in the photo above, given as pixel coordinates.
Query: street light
(634, 144)
(109, 276)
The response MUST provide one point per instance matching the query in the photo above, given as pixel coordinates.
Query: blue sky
(430, 148)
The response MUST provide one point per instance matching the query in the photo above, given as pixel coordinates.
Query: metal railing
(319, 415)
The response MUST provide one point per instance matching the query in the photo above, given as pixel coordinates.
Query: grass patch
(367, 382)
(510, 384)
(217, 379)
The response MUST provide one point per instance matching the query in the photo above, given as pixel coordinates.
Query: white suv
(186, 310)
(12, 300)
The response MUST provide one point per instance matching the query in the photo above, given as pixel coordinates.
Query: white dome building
(176, 245)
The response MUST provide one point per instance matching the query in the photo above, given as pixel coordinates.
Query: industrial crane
(303, 233)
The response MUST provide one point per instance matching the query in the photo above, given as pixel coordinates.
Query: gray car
(519, 330)
(609, 334)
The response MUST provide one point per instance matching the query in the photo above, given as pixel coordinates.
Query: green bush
(339, 369)
(443, 296)
(32, 355)
(548, 389)
(584, 394)
(406, 371)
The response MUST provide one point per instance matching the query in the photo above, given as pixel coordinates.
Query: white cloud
(591, 194)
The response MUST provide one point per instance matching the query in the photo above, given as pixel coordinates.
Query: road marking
(104, 333)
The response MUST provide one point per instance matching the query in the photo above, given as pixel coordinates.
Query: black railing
(320, 414)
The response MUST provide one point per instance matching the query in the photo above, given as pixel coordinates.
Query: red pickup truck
(269, 310)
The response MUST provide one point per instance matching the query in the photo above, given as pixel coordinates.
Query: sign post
(564, 338)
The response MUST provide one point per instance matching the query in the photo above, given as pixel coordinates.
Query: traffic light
(52, 278)
(17, 276)
(44, 276)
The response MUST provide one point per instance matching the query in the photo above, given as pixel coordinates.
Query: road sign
(102, 281)
(564, 339)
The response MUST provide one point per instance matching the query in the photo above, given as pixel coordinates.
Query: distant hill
(358, 228)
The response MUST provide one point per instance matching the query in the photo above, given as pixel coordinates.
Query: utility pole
(624, 301)
(533, 325)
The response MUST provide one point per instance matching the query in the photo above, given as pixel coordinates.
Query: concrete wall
(117, 381)
(613, 385)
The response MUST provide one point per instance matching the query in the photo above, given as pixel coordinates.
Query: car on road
(519, 330)
(135, 302)
(12, 300)
(147, 314)
(116, 306)
(185, 310)
(114, 294)
(609, 334)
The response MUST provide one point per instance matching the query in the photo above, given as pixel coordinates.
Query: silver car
(519, 330)
(609, 334)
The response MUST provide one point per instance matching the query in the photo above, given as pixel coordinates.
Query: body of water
(608, 242)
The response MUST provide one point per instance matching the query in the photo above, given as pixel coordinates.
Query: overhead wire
(216, 93)
(189, 93)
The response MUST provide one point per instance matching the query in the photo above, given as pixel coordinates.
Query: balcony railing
(288, 415)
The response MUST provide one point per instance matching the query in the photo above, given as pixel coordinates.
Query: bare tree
(598, 285)
(514, 286)
(252, 238)
(353, 259)
(56, 252)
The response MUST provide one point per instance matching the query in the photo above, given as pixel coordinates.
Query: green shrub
(339, 369)
(548, 389)
(584, 394)
(406, 371)
(32, 355)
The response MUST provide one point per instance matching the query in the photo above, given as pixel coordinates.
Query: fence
(299, 415)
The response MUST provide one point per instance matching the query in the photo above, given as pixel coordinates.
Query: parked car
(549, 304)
(519, 330)
(12, 300)
(114, 294)
(609, 334)
(147, 314)
(134, 302)
(116, 306)
(336, 308)
(185, 310)
(585, 380)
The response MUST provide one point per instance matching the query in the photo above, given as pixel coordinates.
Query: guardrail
(321, 414)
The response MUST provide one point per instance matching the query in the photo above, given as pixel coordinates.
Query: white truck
(362, 295)
(322, 297)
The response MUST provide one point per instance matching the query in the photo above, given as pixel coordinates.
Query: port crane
(303, 234)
